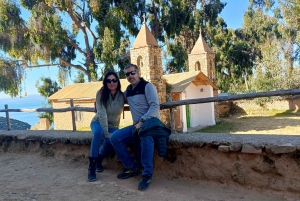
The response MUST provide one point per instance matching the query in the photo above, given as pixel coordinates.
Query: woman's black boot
(92, 169)
(99, 167)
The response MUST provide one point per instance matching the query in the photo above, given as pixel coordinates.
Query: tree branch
(38, 66)
(86, 39)
(78, 67)
(91, 32)
(76, 46)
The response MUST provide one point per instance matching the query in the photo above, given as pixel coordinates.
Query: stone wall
(247, 106)
(283, 104)
(263, 161)
(206, 62)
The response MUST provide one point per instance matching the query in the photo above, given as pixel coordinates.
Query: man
(143, 103)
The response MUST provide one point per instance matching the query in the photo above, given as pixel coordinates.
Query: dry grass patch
(259, 122)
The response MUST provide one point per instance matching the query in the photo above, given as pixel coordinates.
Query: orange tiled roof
(144, 38)
(200, 46)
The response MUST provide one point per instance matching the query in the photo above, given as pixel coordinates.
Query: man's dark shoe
(144, 183)
(129, 173)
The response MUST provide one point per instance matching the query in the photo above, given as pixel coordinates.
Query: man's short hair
(131, 65)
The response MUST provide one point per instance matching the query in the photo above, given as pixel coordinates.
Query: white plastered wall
(201, 114)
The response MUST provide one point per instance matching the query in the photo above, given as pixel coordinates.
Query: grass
(221, 127)
(87, 128)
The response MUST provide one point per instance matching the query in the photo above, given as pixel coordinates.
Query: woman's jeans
(143, 151)
(98, 133)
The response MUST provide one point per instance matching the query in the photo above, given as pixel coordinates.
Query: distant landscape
(28, 102)
(32, 97)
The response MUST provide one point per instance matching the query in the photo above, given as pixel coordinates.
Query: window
(155, 60)
(139, 62)
(197, 66)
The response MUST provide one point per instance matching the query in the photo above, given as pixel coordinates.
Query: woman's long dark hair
(105, 91)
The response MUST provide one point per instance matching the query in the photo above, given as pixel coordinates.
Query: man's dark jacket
(160, 133)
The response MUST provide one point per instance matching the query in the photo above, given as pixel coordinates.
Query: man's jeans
(145, 151)
(106, 148)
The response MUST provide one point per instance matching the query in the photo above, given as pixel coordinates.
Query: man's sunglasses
(131, 73)
(108, 81)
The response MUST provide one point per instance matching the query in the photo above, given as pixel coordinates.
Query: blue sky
(232, 14)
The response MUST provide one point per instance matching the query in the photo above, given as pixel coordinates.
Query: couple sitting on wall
(146, 130)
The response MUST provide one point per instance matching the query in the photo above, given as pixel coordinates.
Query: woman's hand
(108, 136)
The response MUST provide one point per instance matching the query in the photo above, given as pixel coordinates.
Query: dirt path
(31, 177)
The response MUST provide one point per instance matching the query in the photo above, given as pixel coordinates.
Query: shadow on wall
(294, 103)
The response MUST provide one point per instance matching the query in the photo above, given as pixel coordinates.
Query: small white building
(192, 85)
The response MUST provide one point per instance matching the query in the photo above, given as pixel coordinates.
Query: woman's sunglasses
(108, 81)
(131, 73)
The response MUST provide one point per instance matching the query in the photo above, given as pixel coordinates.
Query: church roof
(200, 46)
(180, 81)
(144, 38)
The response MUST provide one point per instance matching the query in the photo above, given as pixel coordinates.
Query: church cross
(144, 17)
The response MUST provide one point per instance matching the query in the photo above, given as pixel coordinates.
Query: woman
(109, 105)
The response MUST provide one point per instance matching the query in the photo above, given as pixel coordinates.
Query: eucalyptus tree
(176, 23)
(69, 34)
(275, 41)
(290, 30)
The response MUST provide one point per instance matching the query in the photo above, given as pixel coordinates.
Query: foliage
(11, 75)
(46, 89)
(93, 37)
(80, 78)
(51, 35)
(272, 73)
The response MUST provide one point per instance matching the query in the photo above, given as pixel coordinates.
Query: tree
(46, 89)
(11, 75)
(176, 24)
(80, 78)
(290, 11)
(273, 72)
(50, 36)
(275, 43)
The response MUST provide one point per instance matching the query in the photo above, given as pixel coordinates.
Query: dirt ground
(32, 177)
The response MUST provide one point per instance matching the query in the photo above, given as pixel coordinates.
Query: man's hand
(138, 126)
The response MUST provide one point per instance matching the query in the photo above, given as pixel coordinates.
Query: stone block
(223, 148)
(235, 147)
(251, 149)
(283, 149)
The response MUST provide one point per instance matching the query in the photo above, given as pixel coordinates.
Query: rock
(235, 147)
(223, 148)
(282, 149)
(251, 149)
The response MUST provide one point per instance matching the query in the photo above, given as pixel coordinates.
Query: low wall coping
(276, 144)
